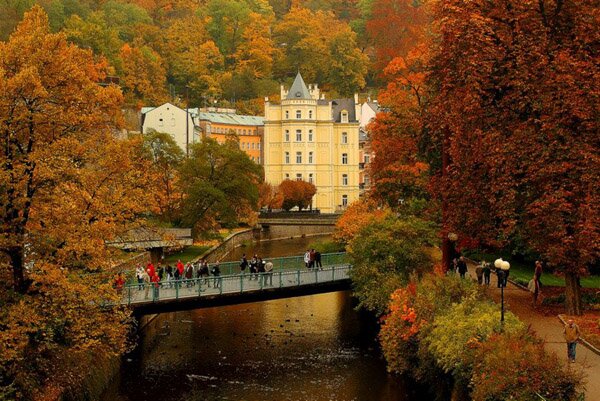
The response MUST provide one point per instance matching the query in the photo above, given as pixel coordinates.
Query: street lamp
(502, 267)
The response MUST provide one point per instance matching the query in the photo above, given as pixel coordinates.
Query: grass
(522, 272)
(187, 254)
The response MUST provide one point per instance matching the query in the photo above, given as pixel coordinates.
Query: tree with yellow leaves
(66, 185)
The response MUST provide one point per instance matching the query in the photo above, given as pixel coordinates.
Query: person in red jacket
(180, 268)
(150, 269)
(155, 284)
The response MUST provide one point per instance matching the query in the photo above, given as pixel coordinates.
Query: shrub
(515, 366)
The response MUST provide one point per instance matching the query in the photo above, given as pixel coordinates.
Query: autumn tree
(297, 194)
(358, 215)
(517, 102)
(67, 186)
(269, 197)
(143, 75)
(318, 44)
(219, 184)
(193, 59)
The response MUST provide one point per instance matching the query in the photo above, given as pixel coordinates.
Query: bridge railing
(231, 284)
(287, 262)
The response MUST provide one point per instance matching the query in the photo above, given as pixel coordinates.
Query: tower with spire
(311, 138)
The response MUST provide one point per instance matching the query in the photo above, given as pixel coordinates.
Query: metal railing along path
(231, 284)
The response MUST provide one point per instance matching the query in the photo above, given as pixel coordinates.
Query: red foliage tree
(518, 98)
(297, 193)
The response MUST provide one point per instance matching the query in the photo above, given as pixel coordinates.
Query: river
(314, 348)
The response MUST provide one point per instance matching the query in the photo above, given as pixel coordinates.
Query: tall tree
(519, 97)
(67, 185)
(219, 184)
(143, 75)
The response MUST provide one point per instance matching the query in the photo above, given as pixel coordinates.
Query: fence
(231, 284)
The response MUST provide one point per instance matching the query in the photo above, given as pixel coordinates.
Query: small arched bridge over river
(283, 282)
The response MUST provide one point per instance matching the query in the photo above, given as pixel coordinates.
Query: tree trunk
(572, 294)
(446, 245)
(15, 254)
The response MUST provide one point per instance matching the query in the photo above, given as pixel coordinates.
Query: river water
(313, 348)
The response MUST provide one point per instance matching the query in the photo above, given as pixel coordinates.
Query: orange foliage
(358, 215)
(297, 193)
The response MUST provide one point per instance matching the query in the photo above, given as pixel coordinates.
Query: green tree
(219, 184)
(385, 253)
(96, 34)
(166, 157)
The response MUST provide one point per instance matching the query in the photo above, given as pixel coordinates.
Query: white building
(369, 110)
(171, 120)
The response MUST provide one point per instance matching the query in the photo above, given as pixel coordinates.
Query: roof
(337, 105)
(147, 109)
(374, 106)
(231, 119)
(298, 90)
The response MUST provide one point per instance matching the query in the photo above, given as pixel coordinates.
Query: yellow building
(310, 138)
(221, 123)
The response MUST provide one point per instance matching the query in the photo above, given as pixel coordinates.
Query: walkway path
(549, 328)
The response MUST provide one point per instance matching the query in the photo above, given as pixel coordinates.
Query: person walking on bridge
(318, 263)
(243, 264)
(307, 259)
(268, 273)
(139, 274)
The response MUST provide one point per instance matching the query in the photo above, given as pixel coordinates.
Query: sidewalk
(550, 329)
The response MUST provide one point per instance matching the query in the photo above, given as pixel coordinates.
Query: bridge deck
(140, 296)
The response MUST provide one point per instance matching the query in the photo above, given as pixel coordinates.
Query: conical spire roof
(298, 90)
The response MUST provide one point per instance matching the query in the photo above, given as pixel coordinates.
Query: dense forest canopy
(216, 52)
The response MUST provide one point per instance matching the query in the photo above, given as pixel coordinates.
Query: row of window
(238, 131)
(299, 177)
(286, 137)
(250, 145)
(343, 115)
(310, 158)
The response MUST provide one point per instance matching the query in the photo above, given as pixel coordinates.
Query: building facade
(172, 120)
(310, 138)
(369, 110)
(220, 124)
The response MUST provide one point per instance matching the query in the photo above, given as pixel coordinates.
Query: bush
(515, 366)
(325, 246)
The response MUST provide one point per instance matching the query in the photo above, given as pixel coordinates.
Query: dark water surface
(313, 348)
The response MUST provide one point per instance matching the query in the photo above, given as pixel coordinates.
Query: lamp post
(502, 267)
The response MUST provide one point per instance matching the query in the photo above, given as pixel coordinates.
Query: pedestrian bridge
(234, 288)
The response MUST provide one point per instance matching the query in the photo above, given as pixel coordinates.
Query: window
(367, 159)
(258, 146)
(344, 158)
(160, 122)
(298, 114)
(310, 135)
(310, 114)
(344, 116)
(287, 135)
(310, 178)
(344, 179)
(287, 176)
(287, 114)
(310, 158)
(287, 157)
(258, 160)
(367, 180)
(252, 145)
(344, 137)
(299, 177)
(344, 200)
(298, 135)
(299, 157)
(244, 132)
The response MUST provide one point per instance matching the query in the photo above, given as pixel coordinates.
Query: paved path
(550, 329)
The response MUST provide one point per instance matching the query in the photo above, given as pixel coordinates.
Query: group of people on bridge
(258, 269)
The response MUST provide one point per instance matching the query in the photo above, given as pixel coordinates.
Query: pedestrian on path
(479, 273)
(572, 335)
(462, 267)
(534, 289)
(487, 272)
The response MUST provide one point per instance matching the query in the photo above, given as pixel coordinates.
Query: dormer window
(344, 116)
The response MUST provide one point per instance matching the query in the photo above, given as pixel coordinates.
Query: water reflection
(273, 249)
(307, 348)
